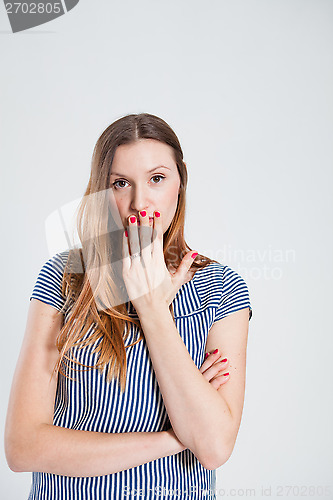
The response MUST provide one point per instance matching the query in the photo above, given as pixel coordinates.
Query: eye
(159, 176)
(116, 183)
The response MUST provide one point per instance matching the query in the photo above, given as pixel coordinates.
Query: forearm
(77, 453)
(198, 414)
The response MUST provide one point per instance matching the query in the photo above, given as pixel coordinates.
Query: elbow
(220, 449)
(213, 461)
(13, 465)
(14, 458)
(216, 454)
(19, 453)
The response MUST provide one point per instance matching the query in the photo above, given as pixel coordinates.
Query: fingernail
(133, 219)
(225, 374)
(214, 352)
(224, 360)
(157, 214)
(194, 255)
(143, 213)
(126, 233)
(206, 355)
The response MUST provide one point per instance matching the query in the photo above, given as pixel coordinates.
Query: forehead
(144, 153)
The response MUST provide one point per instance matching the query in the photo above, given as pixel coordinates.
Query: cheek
(171, 195)
(115, 201)
(116, 205)
(169, 202)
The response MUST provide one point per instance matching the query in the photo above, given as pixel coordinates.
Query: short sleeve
(48, 285)
(235, 294)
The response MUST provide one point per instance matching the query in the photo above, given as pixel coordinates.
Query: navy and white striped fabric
(90, 403)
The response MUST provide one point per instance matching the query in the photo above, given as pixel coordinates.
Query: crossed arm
(205, 420)
(33, 443)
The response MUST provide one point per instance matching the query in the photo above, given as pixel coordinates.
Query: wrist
(154, 310)
(175, 446)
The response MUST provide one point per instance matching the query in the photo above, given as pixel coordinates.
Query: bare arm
(77, 453)
(33, 443)
(204, 420)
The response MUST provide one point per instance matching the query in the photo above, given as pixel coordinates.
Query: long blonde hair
(90, 286)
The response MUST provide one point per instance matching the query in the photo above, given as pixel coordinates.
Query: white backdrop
(247, 87)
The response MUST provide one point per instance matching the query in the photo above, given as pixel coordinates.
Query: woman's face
(144, 176)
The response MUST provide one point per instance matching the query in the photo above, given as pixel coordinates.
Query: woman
(130, 382)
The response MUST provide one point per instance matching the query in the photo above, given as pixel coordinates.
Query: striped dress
(90, 403)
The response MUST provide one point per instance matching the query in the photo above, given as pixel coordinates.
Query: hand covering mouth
(151, 219)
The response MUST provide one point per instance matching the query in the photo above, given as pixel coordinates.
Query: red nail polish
(206, 355)
(133, 219)
(143, 213)
(126, 233)
(224, 360)
(194, 255)
(214, 352)
(225, 374)
(157, 214)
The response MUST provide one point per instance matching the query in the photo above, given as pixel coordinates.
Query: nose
(139, 200)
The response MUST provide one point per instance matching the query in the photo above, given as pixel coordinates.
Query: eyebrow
(148, 172)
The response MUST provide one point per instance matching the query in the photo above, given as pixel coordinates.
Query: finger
(126, 255)
(223, 378)
(157, 244)
(145, 232)
(134, 242)
(215, 368)
(219, 381)
(184, 267)
(211, 357)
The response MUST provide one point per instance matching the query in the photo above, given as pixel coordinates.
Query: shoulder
(208, 282)
(69, 260)
(48, 284)
(215, 275)
(54, 266)
(221, 287)
(59, 260)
